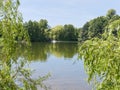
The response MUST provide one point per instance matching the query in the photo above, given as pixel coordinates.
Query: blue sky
(60, 12)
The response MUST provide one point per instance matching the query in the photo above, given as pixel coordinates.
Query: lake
(61, 61)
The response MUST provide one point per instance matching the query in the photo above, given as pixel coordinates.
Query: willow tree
(13, 75)
(102, 58)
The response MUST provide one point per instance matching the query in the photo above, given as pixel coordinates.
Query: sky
(61, 12)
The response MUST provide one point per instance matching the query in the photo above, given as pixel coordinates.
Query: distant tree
(97, 27)
(94, 28)
(111, 13)
(43, 24)
(70, 33)
(80, 34)
(43, 27)
(57, 32)
(83, 34)
(38, 31)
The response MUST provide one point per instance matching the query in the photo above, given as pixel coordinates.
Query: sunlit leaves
(14, 74)
(102, 58)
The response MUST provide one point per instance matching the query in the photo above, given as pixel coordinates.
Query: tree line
(100, 51)
(97, 26)
(40, 31)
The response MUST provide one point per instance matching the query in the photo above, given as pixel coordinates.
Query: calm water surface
(61, 61)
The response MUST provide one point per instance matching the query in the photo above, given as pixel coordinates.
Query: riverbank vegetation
(40, 31)
(100, 49)
(14, 74)
(101, 55)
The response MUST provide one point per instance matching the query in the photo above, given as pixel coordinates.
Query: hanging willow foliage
(13, 74)
(102, 58)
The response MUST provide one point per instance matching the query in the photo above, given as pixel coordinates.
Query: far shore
(55, 41)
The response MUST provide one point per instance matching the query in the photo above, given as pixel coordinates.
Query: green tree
(84, 31)
(32, 28)
(94, 28)
(64, 33)
(80, 34)
(13, 71)
(97, 27)
(70, 33)
(43, 28)
(101, 58)
(57, 32)
(111, 13)
(38, 31)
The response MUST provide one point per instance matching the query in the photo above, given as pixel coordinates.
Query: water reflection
(42, 51)
(59, 60)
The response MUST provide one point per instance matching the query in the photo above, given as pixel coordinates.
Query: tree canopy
(96, 27)
(111, 13)
(101, 58)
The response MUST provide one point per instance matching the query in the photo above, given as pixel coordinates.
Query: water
(61, 61)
